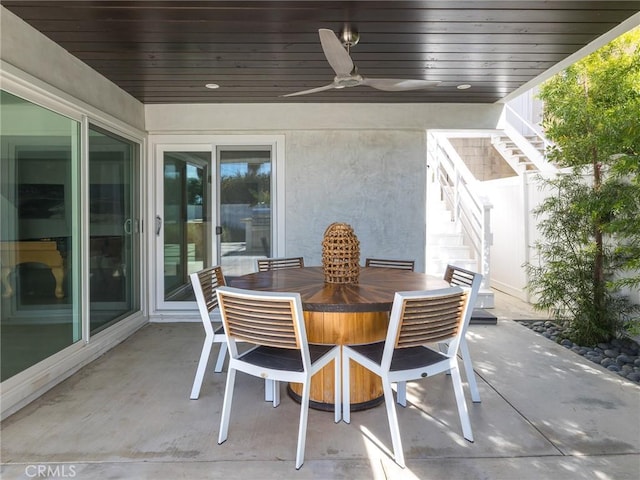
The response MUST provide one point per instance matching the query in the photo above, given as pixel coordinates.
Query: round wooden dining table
(342, 314)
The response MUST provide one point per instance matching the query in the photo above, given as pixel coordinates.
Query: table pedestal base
(344, 328)
(330, 407)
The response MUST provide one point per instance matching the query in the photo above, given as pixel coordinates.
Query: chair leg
(337, 399)
(463, 413)
(346, 390)
(202, 367)
(392, 416)
(401, 393)
(226, 405)
(468, 369)
(268, 390)
(302, 428)
(444, 347)
(221, 355)
(275, 386)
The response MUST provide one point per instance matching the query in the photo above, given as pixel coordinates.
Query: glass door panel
(245, 208)
(114, 235)
(39, 234)
(185, 222)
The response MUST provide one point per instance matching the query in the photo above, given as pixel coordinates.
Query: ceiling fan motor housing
(349, 36)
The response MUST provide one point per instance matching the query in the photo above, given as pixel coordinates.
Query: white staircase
(525, 153)
(446, 245)
(445, 242)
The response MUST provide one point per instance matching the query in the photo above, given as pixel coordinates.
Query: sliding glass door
(114, 228)
(215, 205)
(43, 203)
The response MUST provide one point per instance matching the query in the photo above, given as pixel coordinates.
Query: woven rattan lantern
(340, 254)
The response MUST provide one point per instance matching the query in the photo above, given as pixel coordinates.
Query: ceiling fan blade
(337, 56)
(311, 90)
(398, 84)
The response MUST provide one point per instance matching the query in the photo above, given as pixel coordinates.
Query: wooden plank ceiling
(166, 51)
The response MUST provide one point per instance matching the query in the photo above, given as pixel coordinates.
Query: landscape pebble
(621, 356)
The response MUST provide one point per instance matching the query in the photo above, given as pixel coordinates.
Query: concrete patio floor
(546, 413)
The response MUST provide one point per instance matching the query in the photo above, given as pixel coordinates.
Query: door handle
(158, 225)
(127, 226)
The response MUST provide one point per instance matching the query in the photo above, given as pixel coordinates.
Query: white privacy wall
(372, 180)
(509, 230)
(514, 230)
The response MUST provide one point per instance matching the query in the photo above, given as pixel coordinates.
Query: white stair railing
(458, 188)
(521, 132)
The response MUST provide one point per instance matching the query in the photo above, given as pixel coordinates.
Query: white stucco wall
(374, 181)
(28, 50)
(207, 118)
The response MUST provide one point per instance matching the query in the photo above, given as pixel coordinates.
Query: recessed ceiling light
(464, 86)
(212, 86)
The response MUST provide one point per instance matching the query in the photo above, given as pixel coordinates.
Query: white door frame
(161, 143)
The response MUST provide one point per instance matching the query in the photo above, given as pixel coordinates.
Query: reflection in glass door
(245, 208)
(185, 222)
(114, 234)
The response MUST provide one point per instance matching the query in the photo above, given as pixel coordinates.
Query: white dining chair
(466, 278)
(204, 283)
(274, 323)
(460, 277)
(417, 320)
(390, 263)
(266, 264)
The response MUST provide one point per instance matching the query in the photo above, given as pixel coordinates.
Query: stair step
(449, 251)
(479, 316)
(452, 238)
(448, 228)
(485, 299)
(437, 266)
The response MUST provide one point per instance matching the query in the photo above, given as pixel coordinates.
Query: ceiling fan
(347, 73)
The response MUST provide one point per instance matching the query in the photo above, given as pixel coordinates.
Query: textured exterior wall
(374, 181)
(201, 118)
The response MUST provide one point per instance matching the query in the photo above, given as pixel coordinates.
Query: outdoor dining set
(338, 335)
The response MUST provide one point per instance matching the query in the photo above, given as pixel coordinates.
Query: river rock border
(620, 356)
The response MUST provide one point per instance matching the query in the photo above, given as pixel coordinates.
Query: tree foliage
(590, 224)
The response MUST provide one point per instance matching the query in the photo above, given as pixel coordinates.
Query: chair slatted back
(265, 321)
(266, 264)
(465, 278)
(389, 263)
(209, 280)
(459, 276)
(432, 318)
